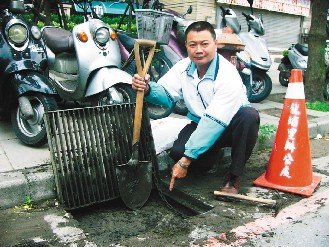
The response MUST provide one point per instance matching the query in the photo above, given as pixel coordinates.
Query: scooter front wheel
(284, 78)
(32, 131)
(261, 86)
(159, 66)
(117, 94)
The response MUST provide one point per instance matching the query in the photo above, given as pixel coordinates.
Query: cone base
(305, 191)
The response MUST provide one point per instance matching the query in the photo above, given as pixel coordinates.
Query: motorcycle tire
(159, 66)
(247, 83)
(180, 108)
(126, 92)
(283, 79)
(261, 86)
(32, 132)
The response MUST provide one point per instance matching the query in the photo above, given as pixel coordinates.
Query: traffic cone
(290, 167)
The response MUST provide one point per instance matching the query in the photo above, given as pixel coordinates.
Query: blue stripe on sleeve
(158, 95)
(203, 138)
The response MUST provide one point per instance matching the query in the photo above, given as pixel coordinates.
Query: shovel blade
(134, 183)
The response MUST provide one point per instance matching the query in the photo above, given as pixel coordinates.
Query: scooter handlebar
(247, 16)
(225, 11)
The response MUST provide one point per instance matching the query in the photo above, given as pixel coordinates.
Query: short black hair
(199, 26)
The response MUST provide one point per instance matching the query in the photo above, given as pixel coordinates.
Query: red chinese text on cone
(290, 167)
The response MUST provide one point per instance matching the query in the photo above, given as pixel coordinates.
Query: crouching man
(218, 108)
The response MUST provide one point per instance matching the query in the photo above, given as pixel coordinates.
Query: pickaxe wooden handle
(246, 198)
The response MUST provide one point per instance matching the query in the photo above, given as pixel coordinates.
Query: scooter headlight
(35, 32)
(102, 35)
(18, 34)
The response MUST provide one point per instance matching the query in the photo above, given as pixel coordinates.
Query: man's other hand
(140, 84)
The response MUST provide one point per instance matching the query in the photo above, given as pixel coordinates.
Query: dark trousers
(241, 135)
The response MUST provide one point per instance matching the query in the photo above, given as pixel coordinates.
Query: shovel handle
(141, 72)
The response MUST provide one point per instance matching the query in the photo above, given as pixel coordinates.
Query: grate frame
(86, 144)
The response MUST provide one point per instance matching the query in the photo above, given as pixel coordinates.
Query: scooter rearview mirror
(17, 6)
(189, 10)
(98, 11)
(251, 2)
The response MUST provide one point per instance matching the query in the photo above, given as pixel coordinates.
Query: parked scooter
(256, 47)
(162, 61)
(297, 58)
(24, 89)
(85, 63)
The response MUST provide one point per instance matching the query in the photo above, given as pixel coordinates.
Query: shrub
(73, 20)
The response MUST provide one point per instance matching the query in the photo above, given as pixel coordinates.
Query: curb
(37, 183)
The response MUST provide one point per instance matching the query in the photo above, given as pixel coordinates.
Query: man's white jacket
(212, 101)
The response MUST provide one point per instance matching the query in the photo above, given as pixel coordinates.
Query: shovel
(135, 177)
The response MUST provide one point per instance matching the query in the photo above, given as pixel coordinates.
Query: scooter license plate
(34, 48)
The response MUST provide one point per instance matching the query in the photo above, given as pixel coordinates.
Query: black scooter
(25, 91)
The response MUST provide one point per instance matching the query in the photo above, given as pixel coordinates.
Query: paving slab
(1, 150)
(21, 156)
(268, 119)
(5, 164)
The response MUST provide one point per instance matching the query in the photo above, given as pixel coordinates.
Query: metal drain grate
(86, 145)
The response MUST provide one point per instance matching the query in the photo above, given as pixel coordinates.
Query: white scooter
(85, 64)
(297, 58)
(256, 47)
(261, 62)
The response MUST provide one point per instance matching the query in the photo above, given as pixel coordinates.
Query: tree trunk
(316, 68)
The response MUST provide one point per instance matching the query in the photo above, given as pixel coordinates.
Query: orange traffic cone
(290, 167)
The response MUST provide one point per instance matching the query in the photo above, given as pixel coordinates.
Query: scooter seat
(302, 49)
(58, 40)
(127, 41)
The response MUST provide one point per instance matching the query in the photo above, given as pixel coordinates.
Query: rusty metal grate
(86, 145)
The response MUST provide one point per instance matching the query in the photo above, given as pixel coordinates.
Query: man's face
(201, 47)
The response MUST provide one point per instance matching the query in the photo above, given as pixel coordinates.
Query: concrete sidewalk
(27, 171)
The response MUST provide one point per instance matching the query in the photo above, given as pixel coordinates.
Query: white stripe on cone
(295, 91)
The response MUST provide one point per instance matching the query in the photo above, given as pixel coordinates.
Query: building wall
(202, 10)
